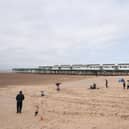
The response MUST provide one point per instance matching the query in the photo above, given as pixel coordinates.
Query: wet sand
(74, 107)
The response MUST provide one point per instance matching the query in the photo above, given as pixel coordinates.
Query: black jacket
(20, 97)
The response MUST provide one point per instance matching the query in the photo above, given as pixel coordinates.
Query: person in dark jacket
(124, 84)
(19, 99)
(106, 83)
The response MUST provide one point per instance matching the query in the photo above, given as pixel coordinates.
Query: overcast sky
(48, 32)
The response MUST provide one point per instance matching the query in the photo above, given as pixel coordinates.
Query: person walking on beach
(19, 99)
(106, 83)
(124, 84)
(58, 86)
(127, 84)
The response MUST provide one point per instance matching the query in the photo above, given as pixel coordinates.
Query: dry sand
(74, 107)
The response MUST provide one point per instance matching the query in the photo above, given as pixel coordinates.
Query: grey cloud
(60, 31)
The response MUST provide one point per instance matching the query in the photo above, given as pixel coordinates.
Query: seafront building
(79, 69)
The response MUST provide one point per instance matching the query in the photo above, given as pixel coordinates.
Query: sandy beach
(74, 107)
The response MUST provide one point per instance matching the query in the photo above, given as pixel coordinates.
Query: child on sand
(93, 86)
(42, 93)
(37, 110)
(58, 86)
